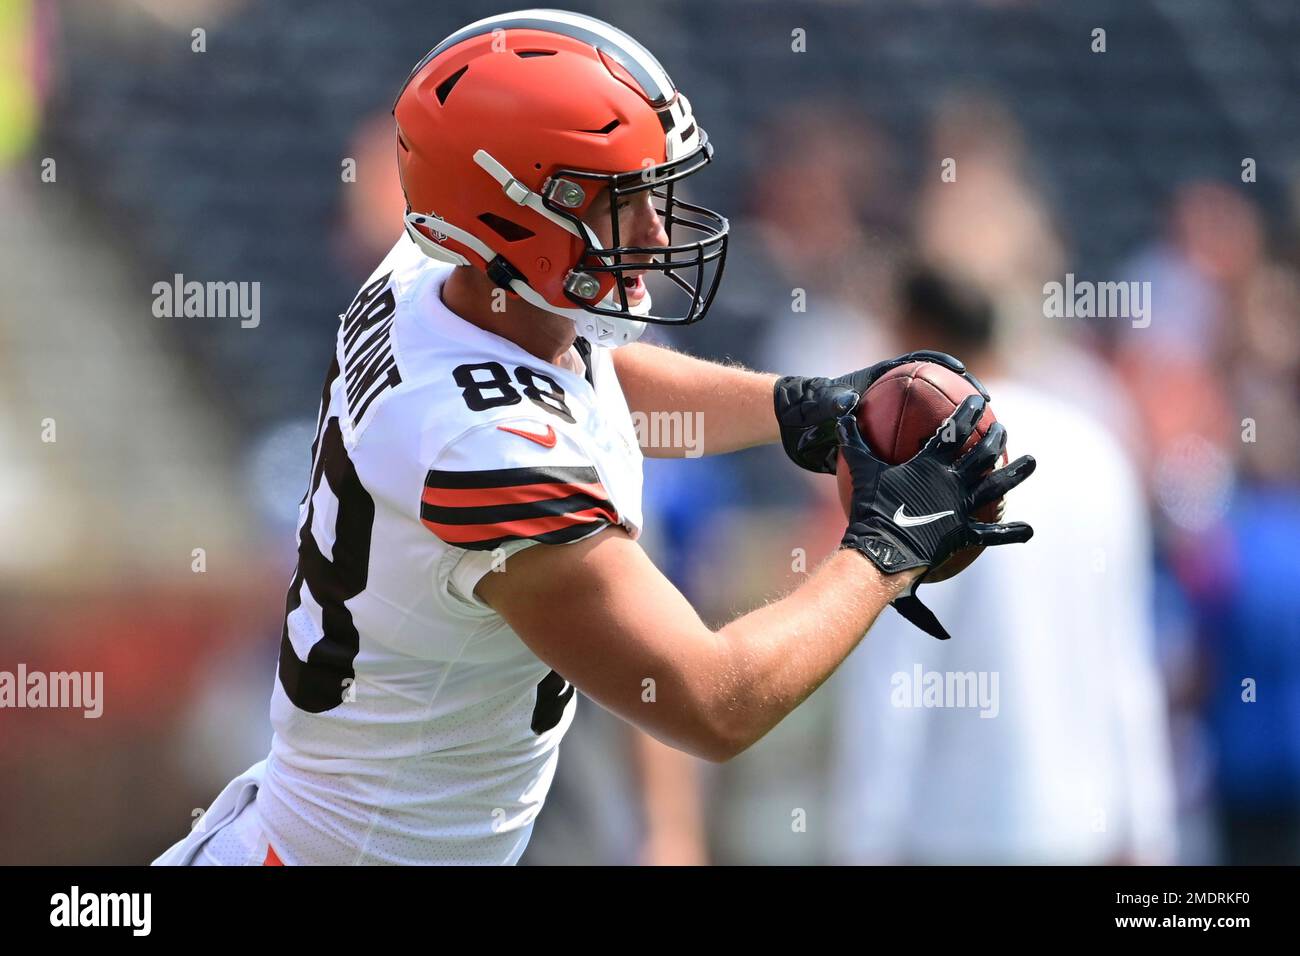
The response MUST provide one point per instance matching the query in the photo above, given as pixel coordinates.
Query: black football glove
(806, 408)
(918, 513)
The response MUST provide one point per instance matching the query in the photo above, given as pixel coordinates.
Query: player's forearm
(777, 655)
(717, 408)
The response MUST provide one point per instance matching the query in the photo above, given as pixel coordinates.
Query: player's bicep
(602, 615)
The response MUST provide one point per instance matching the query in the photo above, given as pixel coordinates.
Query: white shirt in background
(1070, 763)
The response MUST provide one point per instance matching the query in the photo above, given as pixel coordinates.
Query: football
(899, 413)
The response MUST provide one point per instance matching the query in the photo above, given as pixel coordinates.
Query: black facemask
(691, 262)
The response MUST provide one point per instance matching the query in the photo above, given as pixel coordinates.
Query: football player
(468, 539)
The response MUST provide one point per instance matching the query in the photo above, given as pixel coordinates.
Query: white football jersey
(411, 724)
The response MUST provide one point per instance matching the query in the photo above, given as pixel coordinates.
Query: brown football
(899, 413)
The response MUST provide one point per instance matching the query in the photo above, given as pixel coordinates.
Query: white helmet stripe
(638, 61)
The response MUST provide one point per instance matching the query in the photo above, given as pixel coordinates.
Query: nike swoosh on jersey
(911, 521)
(546, 440)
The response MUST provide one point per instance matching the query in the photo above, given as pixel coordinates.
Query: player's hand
(918, 513)
(807, 408)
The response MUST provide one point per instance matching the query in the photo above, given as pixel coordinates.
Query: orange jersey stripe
(509, 495)
(526, 528)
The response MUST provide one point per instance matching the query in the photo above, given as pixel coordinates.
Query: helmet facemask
(690, 265)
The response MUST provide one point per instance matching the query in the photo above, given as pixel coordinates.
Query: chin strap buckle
(503, 273)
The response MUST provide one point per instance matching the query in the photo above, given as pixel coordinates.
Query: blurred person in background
(820, 238)
(989, 221)
(1233, 555)
(1245, 585)
(1223, 475)
(371, 201)
(1198, 272)
(980, 211)
(1068, 762)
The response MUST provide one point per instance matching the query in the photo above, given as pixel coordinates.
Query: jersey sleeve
(506, 485)
(489, 488)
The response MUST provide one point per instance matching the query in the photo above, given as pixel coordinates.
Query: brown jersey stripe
(505, 477)
(562, 536)
(471, 535)
(511, 495)
(496, 514)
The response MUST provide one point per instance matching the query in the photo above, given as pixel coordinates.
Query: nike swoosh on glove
(918, 513)
(807, 408)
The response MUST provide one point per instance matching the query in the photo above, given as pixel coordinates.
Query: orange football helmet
(510, 128)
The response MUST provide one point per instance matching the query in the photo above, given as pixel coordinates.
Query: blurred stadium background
(1168, 730)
